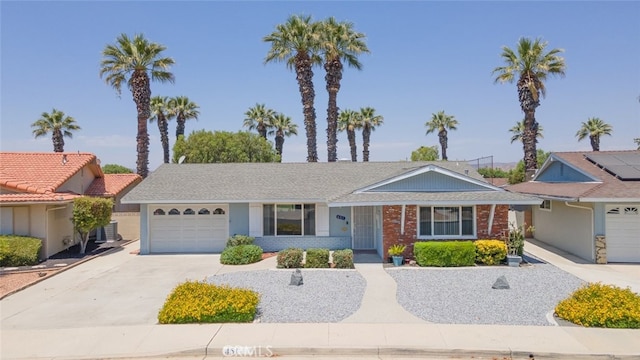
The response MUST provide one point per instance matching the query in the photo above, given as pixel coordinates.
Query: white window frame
(543, 207)
(445, 237)
(275, 229)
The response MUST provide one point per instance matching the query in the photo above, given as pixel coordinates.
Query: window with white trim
(446, 221)
(289, 219)
(546, 205)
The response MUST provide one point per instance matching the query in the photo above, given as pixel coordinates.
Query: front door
(363, 227)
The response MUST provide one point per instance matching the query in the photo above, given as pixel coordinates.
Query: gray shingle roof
(261, 182)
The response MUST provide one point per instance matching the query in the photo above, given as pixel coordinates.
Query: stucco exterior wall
(566, 228)
(59, 229)
(128, 224)
(79, 182)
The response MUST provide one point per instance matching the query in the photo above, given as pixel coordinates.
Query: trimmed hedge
(343, 259)
(444, 253)
(290, 258)
(317, 258)
(200, 302)
(599, 305)
(241, 255)
(236, 240)
(19, 250)
(490, 252)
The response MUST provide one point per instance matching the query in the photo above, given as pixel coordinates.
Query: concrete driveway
(112, 290)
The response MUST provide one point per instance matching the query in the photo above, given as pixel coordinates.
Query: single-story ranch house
(37, 192)
(188, 208)
(591, 204)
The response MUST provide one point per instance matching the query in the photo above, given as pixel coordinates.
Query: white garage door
(623, 233)
(188, 229)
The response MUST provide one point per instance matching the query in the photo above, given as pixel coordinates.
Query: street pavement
(107, 308)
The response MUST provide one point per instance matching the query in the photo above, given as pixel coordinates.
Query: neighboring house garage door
(623, 233)
(188, 229)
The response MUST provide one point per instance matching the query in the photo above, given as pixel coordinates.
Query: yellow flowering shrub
(599, 305)
(201, 302)
(490, 252)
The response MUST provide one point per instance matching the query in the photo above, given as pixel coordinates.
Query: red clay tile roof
(42, 173)
(609, 186)
(112, 184)
(37, 198)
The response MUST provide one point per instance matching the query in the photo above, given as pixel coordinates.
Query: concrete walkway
(106, 308)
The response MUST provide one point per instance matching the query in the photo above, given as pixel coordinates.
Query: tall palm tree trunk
(442, 136)
(163, 127)
(180, 126)
(279, 143)
(595, 142)
(333, 77)
(262, 130)
(366, 136)
(58, 141)
(528, 104)
(141, 96)
(304, 75)
(351, 136)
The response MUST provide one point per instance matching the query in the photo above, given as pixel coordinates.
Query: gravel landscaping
(325, 296)
(465, 295)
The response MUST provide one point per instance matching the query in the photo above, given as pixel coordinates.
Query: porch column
(491, 214)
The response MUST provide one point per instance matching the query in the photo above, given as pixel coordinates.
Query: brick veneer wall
(391, 225)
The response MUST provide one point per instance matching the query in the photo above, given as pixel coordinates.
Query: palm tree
(637, 141)
(282, 126)
(56, 123)
(296, 43)
(349, 121)
(532, 65)
(339, 43)
(442, 122)
(594, 128)
(259, 117)
(369, 121)
(518, 129)
(130, 61)
(183, 109)
(161, 112)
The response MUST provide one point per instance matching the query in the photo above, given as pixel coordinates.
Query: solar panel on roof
(623, 166)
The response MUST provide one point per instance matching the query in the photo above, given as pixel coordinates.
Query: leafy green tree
(442, 122)
(518, 129)
(339, 44)
(296, 42)
(56, 123)
(116, 169)
(162, 112)
(130, 61)
(369, 121)
(531, 65)
(281, 127)
(349, 121)
(594, 128)
(90, 213)
(487, 172)
(518, 174)
(183, 109)
(425, 153)
(259, 118)
(224, 147)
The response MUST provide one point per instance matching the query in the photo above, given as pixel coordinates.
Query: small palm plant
(397, 249)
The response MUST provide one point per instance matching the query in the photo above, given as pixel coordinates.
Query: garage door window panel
(159, 212)
(204, 212)
(174, 212)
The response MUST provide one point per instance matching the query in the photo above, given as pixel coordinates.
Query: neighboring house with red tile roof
(37, 192)
(592, 204)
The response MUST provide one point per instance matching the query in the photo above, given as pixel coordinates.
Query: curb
(56, 271)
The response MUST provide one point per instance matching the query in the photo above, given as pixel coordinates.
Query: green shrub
(317, 258)
(290, 258)
(19, 250)
(444, 253)
(490, 252)
(236, 240)
(599, 305)
(343, 259)
(241, 255)
(200, 302)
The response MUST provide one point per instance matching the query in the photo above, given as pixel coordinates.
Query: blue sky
(425, 57)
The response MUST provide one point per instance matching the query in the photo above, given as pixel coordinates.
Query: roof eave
(226, 201)
(436, 202)
(610, 200)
